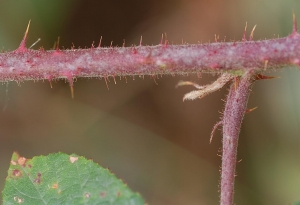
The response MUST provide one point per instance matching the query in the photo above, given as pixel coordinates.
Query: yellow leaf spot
(55, 186)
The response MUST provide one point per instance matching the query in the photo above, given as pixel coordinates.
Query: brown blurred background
(143, 132)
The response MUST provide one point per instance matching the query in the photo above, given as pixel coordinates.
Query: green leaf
(64, 179)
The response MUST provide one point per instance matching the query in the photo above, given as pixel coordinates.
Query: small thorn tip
(245, 31)
(106, 83)
(27, 30)
(57, 43)
(214, 129)
(263, 77)
(295, 27)
(100, 42)
(252, 33)
(141, 40)
(22, 45)
(35, 43)
(72, 91)
(251, 109)
(162, 38)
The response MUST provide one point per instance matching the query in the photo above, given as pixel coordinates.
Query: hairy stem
(219, 57)
(235, 109)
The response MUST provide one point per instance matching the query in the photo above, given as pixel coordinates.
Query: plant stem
(219, 57)
(235, 109)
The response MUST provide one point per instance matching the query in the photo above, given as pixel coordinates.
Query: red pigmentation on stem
(28, 64)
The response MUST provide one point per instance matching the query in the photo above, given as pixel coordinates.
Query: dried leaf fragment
(73, 159)
(207, 89)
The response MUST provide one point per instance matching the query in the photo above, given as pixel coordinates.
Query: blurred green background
(142, 131)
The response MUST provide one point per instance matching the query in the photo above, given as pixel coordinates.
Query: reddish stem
(28, 64)
(235, 109)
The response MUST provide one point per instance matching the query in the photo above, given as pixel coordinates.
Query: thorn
(216, 38)
(162, 38)
(141, 40)
(57, 44)
(70, 80)
(166, 41)
(111, 44)
(49, 79)
(252, 33)
(115, 80)
(22, 45)
(245, 31)
(295, 27)
(123, 43)
(214, 129)
(99, 46)
(266, 64)
(27, 30)
(106, 83)
(35, 43)
(72, 91)
(153, 77)
(263, 77)
(251, 109)
(54, 45)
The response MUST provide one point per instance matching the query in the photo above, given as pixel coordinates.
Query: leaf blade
(64, 179)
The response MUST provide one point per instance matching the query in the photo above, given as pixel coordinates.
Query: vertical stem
(235, 108)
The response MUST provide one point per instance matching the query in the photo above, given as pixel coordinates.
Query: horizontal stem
(237, 57)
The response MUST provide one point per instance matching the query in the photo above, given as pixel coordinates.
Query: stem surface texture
(235, 109)
(219, 57)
